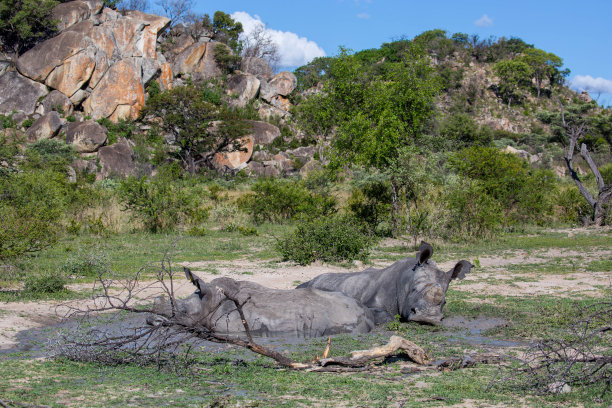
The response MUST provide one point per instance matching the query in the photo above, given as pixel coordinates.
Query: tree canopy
(25, 22)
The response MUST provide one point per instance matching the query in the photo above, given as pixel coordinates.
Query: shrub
(228, 216)
(85, 264)
(371, 203)
(45, 283)
(159, 203)
(25, 22)
(331, 239)
(196, 231)
(30, 210)
(473, 212)
(523, 194)
(277, 200)
(572, 206)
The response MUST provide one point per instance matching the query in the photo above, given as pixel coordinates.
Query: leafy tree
(513, 74)
(543, 65)
(227, 31)
(188, 114)
(376, 112)
(311, 74)
(23, 23)
(461, 130)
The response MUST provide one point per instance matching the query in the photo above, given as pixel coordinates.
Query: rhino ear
(197, 282)
(425, 252)
(459, 271)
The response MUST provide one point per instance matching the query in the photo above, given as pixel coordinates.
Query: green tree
(377, 112)
(227, 31)
(188, 114)
(513, 74)
(544, 65)
(25, 22)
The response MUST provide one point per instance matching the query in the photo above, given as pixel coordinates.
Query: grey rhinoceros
(305, 312)
(414, 288)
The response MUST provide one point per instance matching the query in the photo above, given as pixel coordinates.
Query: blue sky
(578, 32)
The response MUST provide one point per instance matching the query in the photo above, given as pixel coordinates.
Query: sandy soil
(493, 277)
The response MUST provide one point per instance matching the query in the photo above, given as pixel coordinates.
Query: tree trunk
(394, 207)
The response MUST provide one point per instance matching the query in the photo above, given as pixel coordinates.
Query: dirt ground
(494, 276)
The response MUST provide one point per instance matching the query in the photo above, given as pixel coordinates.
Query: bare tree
(139, 5)
(154, 335)
(259, 43)
(578, 355)
(575, 130)
(175, 10)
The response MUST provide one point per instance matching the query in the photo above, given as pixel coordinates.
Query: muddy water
(35, 343)
(469, 331)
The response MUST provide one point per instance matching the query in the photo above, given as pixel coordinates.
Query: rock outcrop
(19, 94)
(87, 136)
(117, 159)
(55, 101)
(284, 83)
(102, 59)
(45, 127)
(263, 133)
(236, 159)
(244, 87)
(258, 67)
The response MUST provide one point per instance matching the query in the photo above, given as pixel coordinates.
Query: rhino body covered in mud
(414, 288)
(302, 313)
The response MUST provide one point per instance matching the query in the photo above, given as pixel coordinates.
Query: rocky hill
(101, 65)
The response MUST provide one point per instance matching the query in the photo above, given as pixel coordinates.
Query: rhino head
(425, 287)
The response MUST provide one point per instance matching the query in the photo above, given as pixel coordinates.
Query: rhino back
(300, 313)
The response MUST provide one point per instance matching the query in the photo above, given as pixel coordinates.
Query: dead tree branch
(581, 354)
(574, 132)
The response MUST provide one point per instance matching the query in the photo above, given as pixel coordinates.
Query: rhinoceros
(414, 288)
(305, 312)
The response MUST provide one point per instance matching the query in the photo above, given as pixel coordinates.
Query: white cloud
(363, 16)
(484, 21)
(294, 50)
(590, 84)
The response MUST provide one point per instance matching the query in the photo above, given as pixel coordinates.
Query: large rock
(41, 60)
(165, 77)
(55, 101)
(281, 102)
(244, 86)
(189, 59)
(70, 13)
(263, 133)
(45, 127)
(269, 112)
(119, 95)
(87, 137)
(258, 67)
(284, 83)
(266, 92)
(19, 93)
(74, 72)
(117, 159)
(153, 24)
(237, 159)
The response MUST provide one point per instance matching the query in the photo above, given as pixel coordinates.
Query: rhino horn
(425, 252)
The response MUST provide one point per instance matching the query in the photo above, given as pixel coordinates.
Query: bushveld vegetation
(407, 158)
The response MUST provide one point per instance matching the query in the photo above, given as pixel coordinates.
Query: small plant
(196, 231)
(247, 231)
(396, 324)
(96, 226)
(74, 227)
(27, 123)
(45, 283)
(71, 118)
(86, 264)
